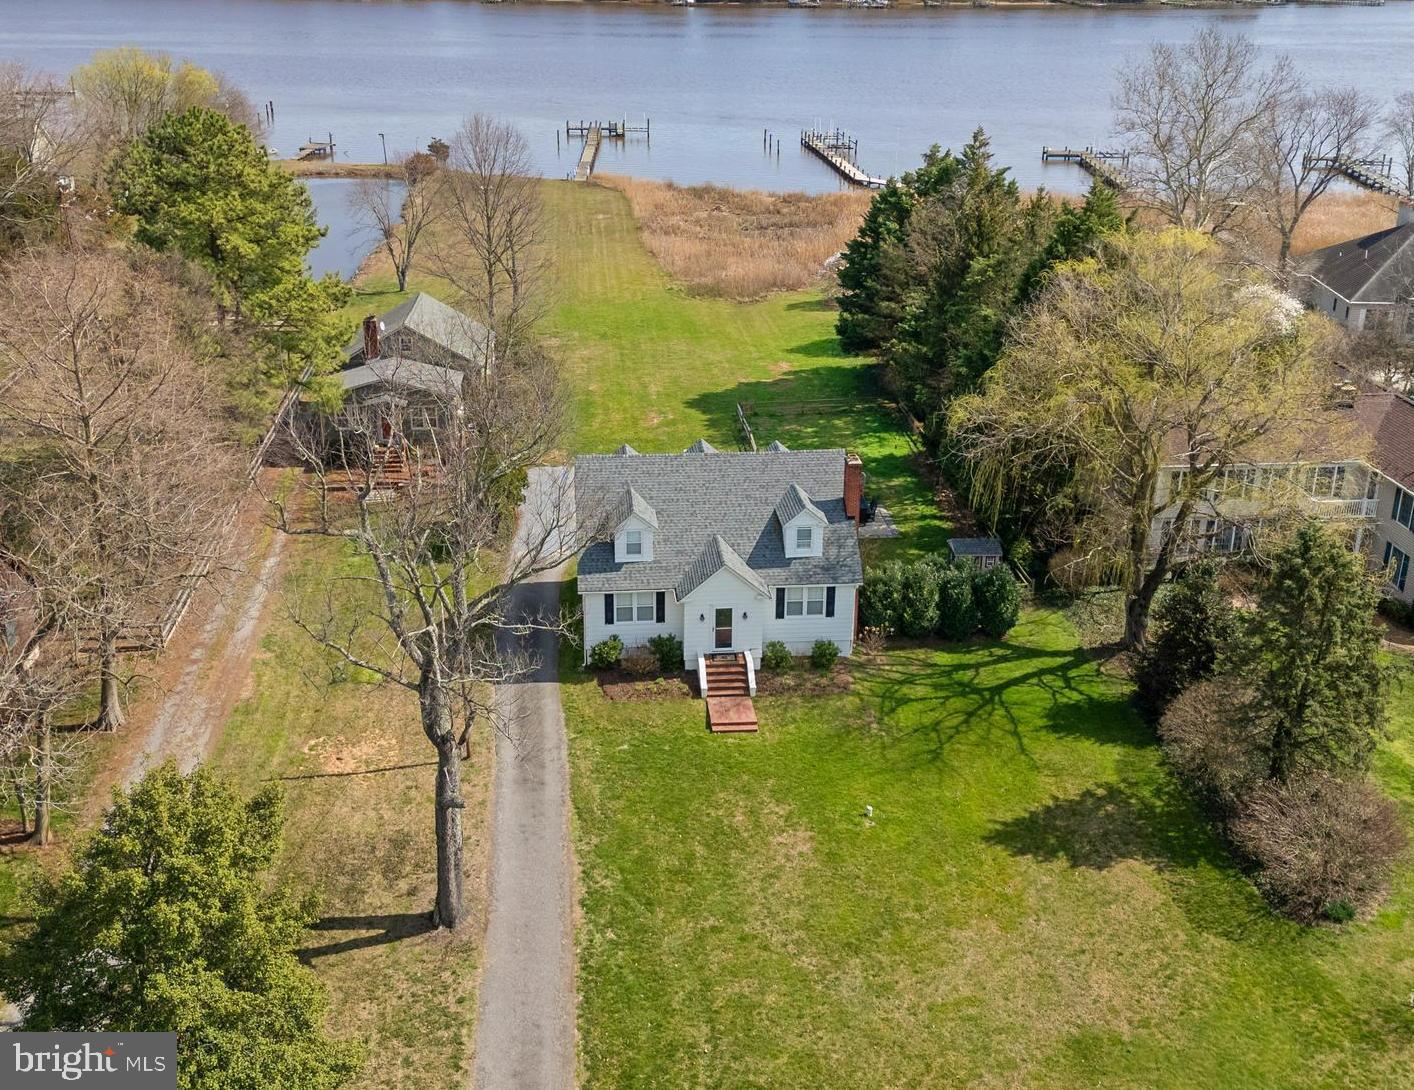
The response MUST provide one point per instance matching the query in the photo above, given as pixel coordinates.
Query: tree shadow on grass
(390, 927)
(927, 702)
(817, 302)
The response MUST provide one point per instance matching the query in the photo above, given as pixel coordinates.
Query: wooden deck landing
(731, 715)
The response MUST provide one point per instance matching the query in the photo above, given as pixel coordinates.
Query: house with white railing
(1372, 494)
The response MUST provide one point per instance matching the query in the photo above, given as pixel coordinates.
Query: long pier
(1093, 161)
(840, 150)
(1372, 174)
(593, 138)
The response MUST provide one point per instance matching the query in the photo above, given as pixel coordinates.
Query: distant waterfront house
(403, 372)
(1373, 494)
(1366, 280)
(728, 551)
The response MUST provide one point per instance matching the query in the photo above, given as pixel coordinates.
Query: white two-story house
(726, 550)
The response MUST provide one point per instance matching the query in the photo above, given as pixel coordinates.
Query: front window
(804, 537)
(805, 601)
(1396, 565)
(633, 543)
(636, 606)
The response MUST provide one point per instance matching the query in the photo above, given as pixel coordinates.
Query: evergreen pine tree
(1312, 657)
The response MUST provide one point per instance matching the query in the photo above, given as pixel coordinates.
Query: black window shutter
(662, 606)
(829, 601)
(608, 609)
(780, 602)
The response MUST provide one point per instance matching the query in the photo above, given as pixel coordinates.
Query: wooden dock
(316, 149)
(593, 138)
(840, 151)
(1093, 161)
(1372, 174)
(594, 133)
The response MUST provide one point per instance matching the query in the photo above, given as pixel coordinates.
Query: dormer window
(804, 538)
(633, 543)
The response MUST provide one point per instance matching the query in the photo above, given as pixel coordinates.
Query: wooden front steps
(731, 715)
(389, 470)
(726, 675)
(729, 708)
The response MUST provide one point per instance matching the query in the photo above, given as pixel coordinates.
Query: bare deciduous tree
(429, 612)
(1399, 127)
(490, 246)
(1291, 147)
(396, 211)
(130, 483)
(1185, 112)
(38, 139)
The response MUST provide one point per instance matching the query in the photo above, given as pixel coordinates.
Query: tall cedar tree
(199, 184)
(165, 922)
(1311, 654)
(874, 275)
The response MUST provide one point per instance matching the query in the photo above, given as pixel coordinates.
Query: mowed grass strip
(1034, 901)
(358, 778)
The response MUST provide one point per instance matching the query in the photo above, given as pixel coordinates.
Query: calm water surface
(710, 79)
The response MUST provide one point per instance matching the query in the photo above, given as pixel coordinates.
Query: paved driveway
(525, 1030)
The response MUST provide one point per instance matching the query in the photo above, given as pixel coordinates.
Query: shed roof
(975, 546)
(445, 382)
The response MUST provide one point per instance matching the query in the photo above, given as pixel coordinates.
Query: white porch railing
(750, 675)
(702, 674)
(1353, 509)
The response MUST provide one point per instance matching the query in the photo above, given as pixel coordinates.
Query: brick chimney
(370, 338)
(853, 485)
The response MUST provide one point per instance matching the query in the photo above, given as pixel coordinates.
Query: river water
(711, 79)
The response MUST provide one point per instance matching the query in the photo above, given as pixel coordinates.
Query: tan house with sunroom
(1373, 494)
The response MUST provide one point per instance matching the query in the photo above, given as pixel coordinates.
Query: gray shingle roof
(701, 447)
(793, 503)
(715, 556)
(431, 318)
(975, 546)
(631, 503)
(777, 447)
(409, 374)
(702, 496)
(625, 449)
(1375, 268)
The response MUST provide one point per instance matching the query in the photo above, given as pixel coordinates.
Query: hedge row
(936, 597)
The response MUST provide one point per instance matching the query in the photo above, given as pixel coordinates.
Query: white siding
(724, 590)
(800, 633)
(621, 554)
(633, 633)
(817, 536)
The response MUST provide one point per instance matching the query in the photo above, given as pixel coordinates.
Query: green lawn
(650, 365)
(1033, 903)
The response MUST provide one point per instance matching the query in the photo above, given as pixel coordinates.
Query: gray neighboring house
(1363, 279)
(726, 550)
(405, 368)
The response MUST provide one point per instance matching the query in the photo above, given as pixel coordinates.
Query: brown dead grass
(1339, 216)
(740, 243)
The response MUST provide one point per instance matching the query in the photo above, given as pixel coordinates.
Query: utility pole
(385, 148)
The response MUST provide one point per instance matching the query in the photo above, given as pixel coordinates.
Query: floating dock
(594, 133)
(1093, 161)
(840, 151)
(316, 149)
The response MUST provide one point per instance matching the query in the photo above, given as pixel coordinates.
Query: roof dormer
(634, 522)
(802, 524)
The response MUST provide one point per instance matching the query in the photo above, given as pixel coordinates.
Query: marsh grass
(740, 243)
